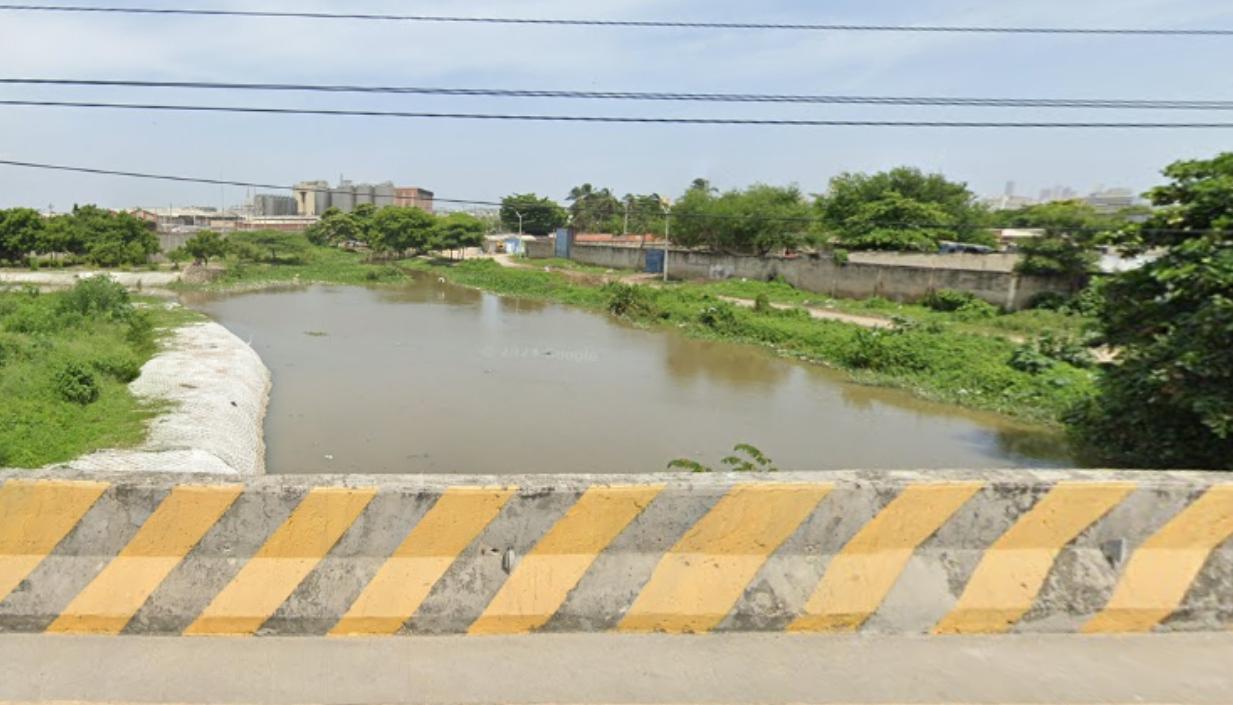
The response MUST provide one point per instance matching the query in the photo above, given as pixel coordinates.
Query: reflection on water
(431, 377)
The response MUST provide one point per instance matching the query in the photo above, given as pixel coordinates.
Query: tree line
(87, 234)
(397, 230)
(902, 209)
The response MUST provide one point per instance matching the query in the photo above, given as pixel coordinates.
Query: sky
(486, 160)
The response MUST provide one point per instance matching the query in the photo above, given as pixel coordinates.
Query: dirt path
(821, 314)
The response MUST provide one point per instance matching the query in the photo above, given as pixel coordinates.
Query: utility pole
(519, 224)
(625, 230)
(667, 204)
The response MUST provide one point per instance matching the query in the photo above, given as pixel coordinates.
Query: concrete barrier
(895, 276)
(931, 553)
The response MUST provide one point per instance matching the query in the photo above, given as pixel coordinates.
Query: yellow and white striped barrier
(940, 553)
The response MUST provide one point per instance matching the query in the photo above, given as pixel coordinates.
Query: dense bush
(947, 300)
(886, 351)
(97, 296)
(120, 367)
(75, 383)
(1028, 358)
(628, 301)
(720, 317)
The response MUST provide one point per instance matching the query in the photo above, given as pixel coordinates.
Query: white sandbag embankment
(61, 278)
(216, 388)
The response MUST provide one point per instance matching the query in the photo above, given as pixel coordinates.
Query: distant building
(1112, 200)
(316, 197)
(1058, 193)
(312, 197)
(268, 205)
(413, 197)
(173, 219)
(1006, 202)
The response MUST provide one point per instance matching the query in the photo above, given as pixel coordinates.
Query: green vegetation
(255, 267)
(532, 215)
(394, 231)
(942, 362)
(744, 458)
(595, 210)
(88, 234)
(757, 220)
(1168, 402)
(901, 209)
(65, 361)
(201, 247)
(981, 319)
(1072, 230)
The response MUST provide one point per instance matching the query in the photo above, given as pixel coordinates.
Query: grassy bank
(317, 265)
(946, 363)
(65, 361)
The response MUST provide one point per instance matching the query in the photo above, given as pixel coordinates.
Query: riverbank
(93, 379)
(974, 361)
(935, 362)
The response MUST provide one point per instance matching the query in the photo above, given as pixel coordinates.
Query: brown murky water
(437, 378)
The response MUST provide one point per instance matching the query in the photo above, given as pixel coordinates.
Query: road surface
(614, 669)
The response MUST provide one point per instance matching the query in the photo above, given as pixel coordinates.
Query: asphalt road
(612, 669)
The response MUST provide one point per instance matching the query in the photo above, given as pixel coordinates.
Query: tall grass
(65, 361)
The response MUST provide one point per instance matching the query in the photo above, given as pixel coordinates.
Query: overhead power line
(477, 202)
(1098, 103)
(782, 122)
(641, 24)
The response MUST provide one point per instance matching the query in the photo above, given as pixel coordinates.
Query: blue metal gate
(655, 261)
(564, 239)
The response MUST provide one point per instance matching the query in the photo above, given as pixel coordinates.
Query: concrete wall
(902, 552)
(899, 277)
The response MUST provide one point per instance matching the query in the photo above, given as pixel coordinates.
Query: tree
(204, 245)
(901, 192)
(457, 231)
(112, 239)
(335, 227)
(1072, 230)
(896, 222)
(758, 220)
(1168, 400)
(395, 230)
(21, 232)
(592, 209)
(640, 214)
(272, 246)
(540, 216)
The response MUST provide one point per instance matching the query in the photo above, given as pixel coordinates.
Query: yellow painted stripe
(34, 517)
(1160, 572)
(544, 577)
(406, 578)
(696, 584)
(859, 577)
(111, 599)
(267, 580)
(1010, 574)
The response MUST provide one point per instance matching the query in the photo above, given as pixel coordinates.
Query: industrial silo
(364, 194)
(383, 194)
(343, 197)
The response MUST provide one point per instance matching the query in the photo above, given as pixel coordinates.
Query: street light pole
(667, 233)
(519, 223)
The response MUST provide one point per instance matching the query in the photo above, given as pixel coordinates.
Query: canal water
(435, 378)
